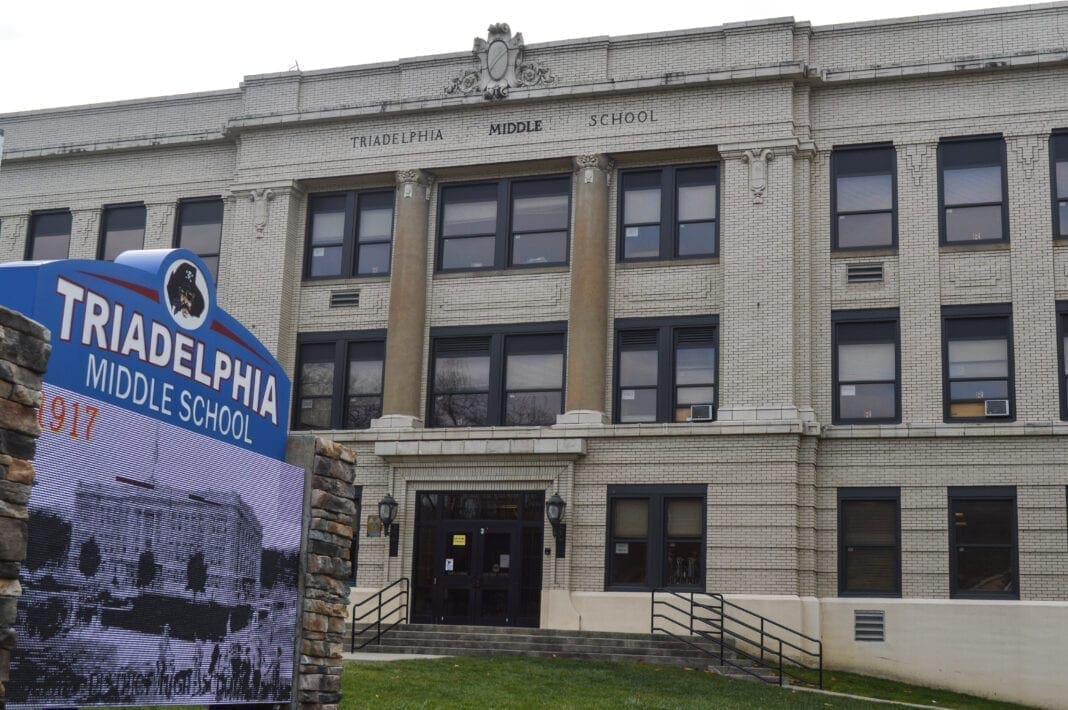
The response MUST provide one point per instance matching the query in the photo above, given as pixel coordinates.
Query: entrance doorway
(478, 558)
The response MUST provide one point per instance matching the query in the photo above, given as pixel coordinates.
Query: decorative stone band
(409, 180)
(589, 166)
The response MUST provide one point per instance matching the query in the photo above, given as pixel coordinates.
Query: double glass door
(477, 581)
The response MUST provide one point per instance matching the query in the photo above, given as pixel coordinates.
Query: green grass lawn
(507, 682)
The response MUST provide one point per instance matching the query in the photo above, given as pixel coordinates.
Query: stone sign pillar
(327, 571)
(24, 352)
(587, 336)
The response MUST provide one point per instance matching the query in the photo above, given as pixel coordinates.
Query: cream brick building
(822, 226)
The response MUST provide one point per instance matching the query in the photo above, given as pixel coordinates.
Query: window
(200, 230)
(665, 367)
(1058, 150)
(869, 542)
(49, 236)
(349, 234)
(509, 376)
(982, 529)
(122, 229)
(972, 187)
(866, 365)
(977, 362)
(339, 380)
(508, 223)
(863, 197)
(656, 537)
(1062, 351)
(669, 213)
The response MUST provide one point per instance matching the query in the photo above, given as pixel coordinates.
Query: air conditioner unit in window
(700, 413)
(997, 407)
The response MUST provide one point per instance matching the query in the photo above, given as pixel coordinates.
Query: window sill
(482, 273)
(869, 595)
(345, 280)
(662, 263)
(862, 253)
(978, 246)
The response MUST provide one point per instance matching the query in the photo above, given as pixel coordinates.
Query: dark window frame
(669, 222)
(31, 236)
(177, 235)
(666, 353)
(1062, 378)
(497, 335)
(502, 235)
(1058, 135)
(1004, 203)
(350, 239)
(873, 315)
(101, 242)
(341, 340)
(838, 151)
(955, 493)
(867, 494)
(993, 310)
(656, 539)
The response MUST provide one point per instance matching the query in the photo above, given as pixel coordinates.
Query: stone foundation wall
(327, 571)
(24, 352)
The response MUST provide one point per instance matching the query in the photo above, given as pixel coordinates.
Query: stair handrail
(374, 605)
(717, 615)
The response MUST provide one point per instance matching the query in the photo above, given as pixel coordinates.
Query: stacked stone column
(327, 570)
(24, 352)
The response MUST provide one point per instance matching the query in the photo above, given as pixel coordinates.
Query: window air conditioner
(996, 407)
(700, 413)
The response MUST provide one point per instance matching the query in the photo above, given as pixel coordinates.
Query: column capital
(588, 165)
(409, 180)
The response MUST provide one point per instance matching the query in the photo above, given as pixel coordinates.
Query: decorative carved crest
(757, 159)
(501, 67)
(408, 180)
(261, 211)
(589, 165)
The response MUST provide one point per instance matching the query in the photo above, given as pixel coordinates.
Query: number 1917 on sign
(59, 415)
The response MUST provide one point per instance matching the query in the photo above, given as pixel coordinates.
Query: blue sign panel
(164, 527)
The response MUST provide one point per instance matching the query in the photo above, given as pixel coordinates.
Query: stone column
(24, 352)
(587, 327)
(407, 304)
(327, 569)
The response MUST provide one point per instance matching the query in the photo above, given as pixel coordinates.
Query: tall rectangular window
(339, 380)
(199, 230)
(510, 376)
(669, 213)
(666, 369)
(972, 187)
(869, 542)
(866, 365)
(49, 236)
(656, 537)
(1062, 352)
(977, 362)
(122, 229)
(349, 234)
(863, 197)
(983, 552)
(1058, 149)
(503, 224)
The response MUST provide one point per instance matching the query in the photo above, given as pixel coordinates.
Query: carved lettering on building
(621, 118)
(510, 127)
(374, 140)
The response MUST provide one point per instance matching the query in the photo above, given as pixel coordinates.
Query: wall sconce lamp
(387, 513)
(554, 510)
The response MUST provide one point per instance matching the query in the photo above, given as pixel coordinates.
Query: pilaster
(84, 233)
(159, 225)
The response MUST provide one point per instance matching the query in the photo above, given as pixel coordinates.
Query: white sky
(63, 52)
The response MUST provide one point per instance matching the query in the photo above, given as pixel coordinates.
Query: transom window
(863, 197)
(669, 213)
(199, 230)
(49, 236)
(972, 189)
(349, 234)
(122, 229)
(665, 368)
(656, 537)
(507, 223)
(1059, 158)
(512, 377)
(982, 527)
(869, 542)
(866, 366)
(977, 362)
(339, 380)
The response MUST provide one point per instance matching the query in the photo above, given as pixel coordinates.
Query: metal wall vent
(864, 273)
(868, 625)
(345, 299)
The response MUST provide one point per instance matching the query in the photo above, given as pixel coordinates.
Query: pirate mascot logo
(186, 294)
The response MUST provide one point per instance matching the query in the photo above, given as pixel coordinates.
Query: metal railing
(754, 641)
(373, 607)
